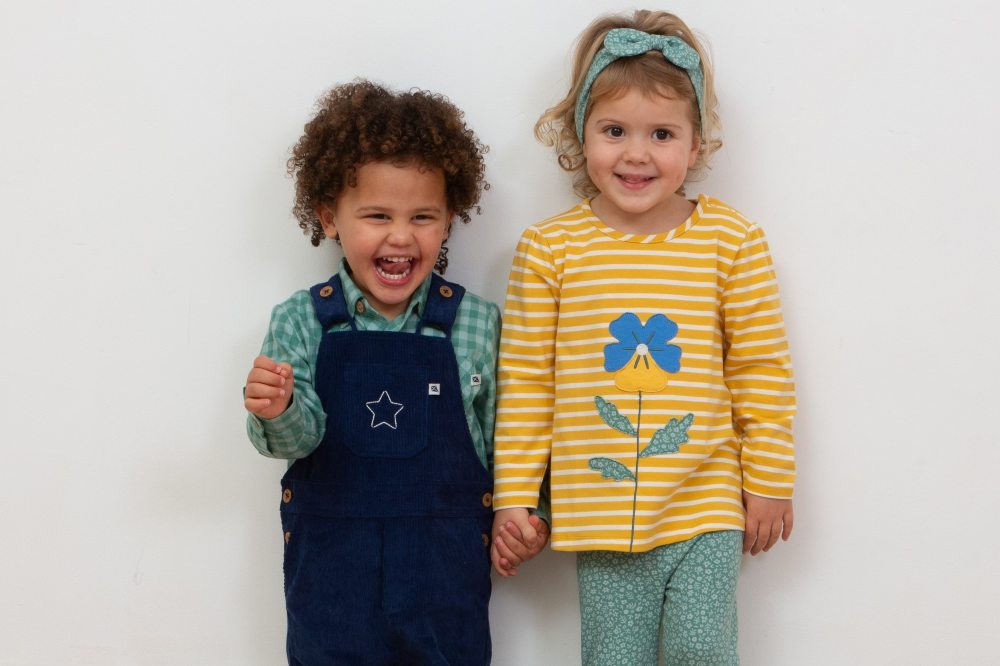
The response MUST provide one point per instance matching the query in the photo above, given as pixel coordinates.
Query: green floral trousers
(679, 599)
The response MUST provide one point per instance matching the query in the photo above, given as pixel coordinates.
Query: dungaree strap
(328, 301)
(443, 299)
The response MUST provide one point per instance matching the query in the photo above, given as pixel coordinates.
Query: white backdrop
(147, 233)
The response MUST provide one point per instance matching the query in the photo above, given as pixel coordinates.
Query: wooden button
(326, 291)
(286, 496)
(288, 537)
(487, 499)
(445, 291)
(359, 307)
(486, 538)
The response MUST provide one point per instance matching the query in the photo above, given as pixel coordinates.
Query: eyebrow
(612, 119)
(387, 209)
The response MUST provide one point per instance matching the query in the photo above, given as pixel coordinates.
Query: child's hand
(269, 388)
(508, 554)
(767, 519)
(510, 547)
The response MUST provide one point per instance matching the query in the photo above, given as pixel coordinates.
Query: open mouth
(394, 269)
(632, 180)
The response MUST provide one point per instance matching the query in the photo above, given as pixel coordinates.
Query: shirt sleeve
(293, 337)
(525, 374)
(758, 370)
(485, 402)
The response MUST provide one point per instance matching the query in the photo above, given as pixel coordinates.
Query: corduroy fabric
(385, 557)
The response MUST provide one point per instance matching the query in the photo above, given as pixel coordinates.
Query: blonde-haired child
(643, 362)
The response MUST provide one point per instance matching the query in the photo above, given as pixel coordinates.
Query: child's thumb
(529, 533)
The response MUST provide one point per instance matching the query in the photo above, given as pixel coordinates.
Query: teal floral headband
(625, 43)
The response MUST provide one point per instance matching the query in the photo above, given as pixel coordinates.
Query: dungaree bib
(386, 523)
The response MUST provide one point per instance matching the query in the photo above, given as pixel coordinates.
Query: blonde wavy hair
(650, 73)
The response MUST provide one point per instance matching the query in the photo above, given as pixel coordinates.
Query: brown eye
(661, 134)
(615, 132)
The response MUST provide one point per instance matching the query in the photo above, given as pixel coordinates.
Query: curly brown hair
(361, 122)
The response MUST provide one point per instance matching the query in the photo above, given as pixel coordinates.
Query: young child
(643, 362)
(379, 385)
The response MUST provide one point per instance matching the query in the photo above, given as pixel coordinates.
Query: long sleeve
(293, 337)
(526, 375)
(484, 402)
(656, 451)
(758, 370)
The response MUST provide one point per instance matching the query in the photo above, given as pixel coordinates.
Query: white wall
(146, 234)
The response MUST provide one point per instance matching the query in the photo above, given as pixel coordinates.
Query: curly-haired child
(644, 363)
(379, 386)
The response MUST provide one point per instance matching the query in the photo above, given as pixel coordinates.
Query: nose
(636, 150)
(400, 232)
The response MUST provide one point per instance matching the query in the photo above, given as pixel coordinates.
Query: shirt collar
(352, 295)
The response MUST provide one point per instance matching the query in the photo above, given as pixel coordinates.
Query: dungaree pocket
(385, 409)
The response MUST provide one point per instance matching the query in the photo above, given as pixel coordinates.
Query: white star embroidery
(387, 407)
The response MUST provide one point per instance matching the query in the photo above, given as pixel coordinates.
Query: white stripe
(703, 272)
(764, 468)
(513, 453)
(770, 426)
(626, 527)
(728, 305)
(759, 391)
(763, 406)
(598, 311)
(758, 453)
(647, 252)
(761, 314)
(753, 287)
(601, 500)
(770, 484)
(763, 357)
(515, 493)
(508, 326)
(655, 512)
(708, 527)
(750, 344)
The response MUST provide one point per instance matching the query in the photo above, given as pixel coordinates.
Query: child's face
(391, 226)
(638, 151)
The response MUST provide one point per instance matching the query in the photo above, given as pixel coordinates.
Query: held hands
(269, 388)
(517, 537)
(767, 519)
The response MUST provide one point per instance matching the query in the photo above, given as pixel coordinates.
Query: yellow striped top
(649, 376)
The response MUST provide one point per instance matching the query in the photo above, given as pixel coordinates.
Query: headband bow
(626, 43)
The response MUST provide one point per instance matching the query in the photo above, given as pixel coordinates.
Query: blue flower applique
(642, 356)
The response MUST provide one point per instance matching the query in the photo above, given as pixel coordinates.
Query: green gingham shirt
(294, 336)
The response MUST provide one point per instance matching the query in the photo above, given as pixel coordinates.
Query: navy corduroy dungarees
(386, 523)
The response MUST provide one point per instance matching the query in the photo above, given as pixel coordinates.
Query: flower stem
(635, 494)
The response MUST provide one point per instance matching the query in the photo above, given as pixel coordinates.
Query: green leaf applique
(610, 414)
(669, 438)
(611, 469)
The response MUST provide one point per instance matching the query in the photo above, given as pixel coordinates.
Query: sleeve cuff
(278, 437)
(781, 493)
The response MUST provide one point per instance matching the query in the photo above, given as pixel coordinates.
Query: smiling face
(391, 226)
(638, 150)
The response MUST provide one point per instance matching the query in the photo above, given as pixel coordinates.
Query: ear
(447, 228)
(328, 219)
(693, 155)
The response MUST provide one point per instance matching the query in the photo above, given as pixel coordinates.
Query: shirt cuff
(281, 435)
